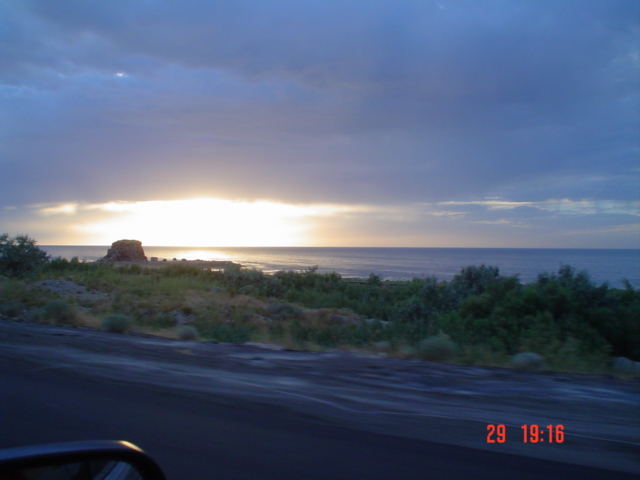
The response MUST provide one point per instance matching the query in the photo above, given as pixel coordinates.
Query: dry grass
(89, 320)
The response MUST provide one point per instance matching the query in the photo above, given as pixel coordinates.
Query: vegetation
(59, 311)
(19, 256)
(479, 317)
(187, 332)
(437, 349)
(527, 361)
(116, 323)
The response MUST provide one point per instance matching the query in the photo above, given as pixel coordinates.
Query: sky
(389, 123)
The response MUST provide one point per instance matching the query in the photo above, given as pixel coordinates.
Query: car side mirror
(90, 460)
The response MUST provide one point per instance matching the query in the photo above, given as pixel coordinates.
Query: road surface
(227, 411)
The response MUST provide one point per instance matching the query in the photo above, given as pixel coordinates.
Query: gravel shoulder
(444, 403)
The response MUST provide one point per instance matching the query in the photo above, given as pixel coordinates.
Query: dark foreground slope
(243, 411)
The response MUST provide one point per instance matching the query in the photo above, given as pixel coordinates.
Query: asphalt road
(194, 437)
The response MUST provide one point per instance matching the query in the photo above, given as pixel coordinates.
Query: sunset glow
(199, 222)
(395, 123)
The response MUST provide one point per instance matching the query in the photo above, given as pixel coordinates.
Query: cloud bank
(389, 104)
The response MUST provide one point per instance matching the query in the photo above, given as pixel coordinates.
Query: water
(610, 266)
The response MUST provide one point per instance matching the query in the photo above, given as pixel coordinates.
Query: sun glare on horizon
(201, 222)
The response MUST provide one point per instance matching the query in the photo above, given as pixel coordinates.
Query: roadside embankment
(450, 404)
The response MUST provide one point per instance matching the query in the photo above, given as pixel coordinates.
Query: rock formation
(125, 251)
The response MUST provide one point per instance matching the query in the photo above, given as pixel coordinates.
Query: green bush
(383, 346)
(61, 265)
(19, 256)
(227, 332)
(12, 309)
(481, 355)
(187, 332)
(59, 311)
(283, 311)
(116, 323)
(474, 280)
(181, 269)
(249, 290)
(436, 349)
(234, 277)
(164, 320)
(527, 361)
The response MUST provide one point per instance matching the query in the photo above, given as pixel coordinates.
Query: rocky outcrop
(125, 251)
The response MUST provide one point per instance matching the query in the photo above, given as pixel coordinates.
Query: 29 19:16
(531, 433)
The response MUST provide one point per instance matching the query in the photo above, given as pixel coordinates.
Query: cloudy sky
(460, 123)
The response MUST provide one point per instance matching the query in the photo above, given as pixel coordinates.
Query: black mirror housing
(42, 456)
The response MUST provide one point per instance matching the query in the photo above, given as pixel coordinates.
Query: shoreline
(610, 266)
(165, 263)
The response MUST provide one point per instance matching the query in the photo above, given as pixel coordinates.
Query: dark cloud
(501, 52)
(378, 102)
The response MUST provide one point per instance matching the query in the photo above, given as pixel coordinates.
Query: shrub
(19, 256)
(12, 309)
(382, 346)
(474, 280)
(283, 311)
(59, 311)
(181, 269)
(436, 349)
(527, 361)
(116, 323)
(481, 355)
(226, 332)
(572, 355)
(60, 265)
(187, 332)
(624, 365)
(249, 290)
(164, 320)
(234, 277)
